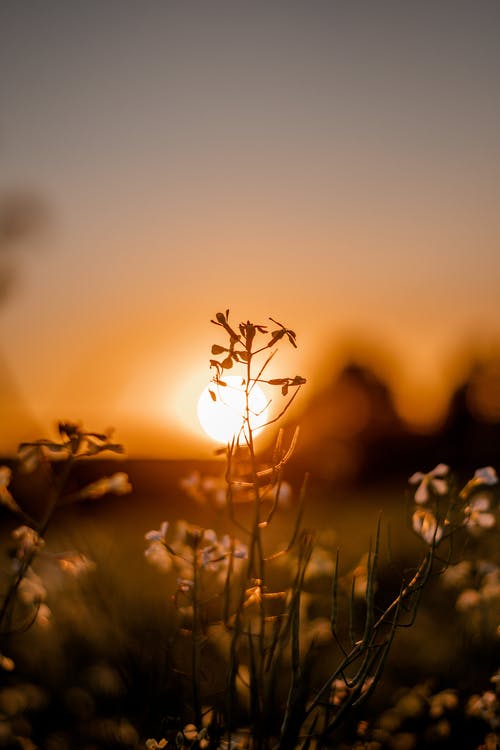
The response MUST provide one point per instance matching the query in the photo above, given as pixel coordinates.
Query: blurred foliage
(21, 216)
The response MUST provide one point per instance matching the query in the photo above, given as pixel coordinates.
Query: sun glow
(223, 418)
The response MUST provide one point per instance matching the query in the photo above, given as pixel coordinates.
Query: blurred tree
(352, 427)
(471, 433)
(351, 431)
(22, 214)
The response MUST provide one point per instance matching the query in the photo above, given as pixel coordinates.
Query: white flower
(432, 481)
(446, 700)
(157, 535)
(210, 537)
(184, 585)
(74, 563)
(43, 615)
(486, 475)
(477, 514)
(116, 484)
(205, 489)
(426, 526)
(483, 706)
(210, 557)
(339, 692)
(29, 541)
(31, 588)
(188, 535)
(203, 543)
(240, 550)
(152, 744)
(157, 555)
(190, 732)
(215, 557)
(119, 483)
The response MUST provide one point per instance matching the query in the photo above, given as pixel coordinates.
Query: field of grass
(110, 670)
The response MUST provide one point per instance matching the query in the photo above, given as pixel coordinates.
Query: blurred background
(332, 165)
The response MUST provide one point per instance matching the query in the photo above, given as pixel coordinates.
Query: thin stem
(196, 638)
(258, 561)
(28, 559)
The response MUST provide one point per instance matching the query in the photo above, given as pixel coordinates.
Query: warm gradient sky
(333, 164)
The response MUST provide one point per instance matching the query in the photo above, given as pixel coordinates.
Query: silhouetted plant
(23, 597)
(265, 645)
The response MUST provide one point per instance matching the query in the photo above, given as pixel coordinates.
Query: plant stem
(257, 558)
(196, 638)
(5, 609)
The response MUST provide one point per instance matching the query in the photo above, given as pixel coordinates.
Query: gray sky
(332, 164)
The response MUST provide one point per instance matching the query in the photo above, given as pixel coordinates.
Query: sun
(223, 418)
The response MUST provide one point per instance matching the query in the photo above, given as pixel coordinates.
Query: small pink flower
(228, 545)
(158, 557)
(440, 703)
(31, 588)
(426, 526)
(116, 484)
(157, 535)
(431, 482)
(190, 732)
(478, 515)
(28, 541)
(74, 563)
(153, 744)
(43, 615)
(486, 475)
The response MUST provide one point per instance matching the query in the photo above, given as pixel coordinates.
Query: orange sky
(333, 165)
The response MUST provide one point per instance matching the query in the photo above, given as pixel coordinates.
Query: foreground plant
(291, 685)
(23, 599)
(468, 517)
(420, 717)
